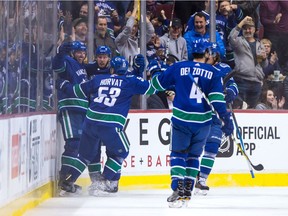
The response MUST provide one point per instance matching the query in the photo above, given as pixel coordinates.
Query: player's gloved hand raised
(153, 68)
(228, 126)
(230, 95)
(65, 48)
(139, 64)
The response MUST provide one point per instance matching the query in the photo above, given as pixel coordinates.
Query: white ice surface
(252, 201)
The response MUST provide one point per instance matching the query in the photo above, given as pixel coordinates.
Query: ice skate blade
(200, 192)
(100, 193)
(186, 202)
(63, 193)
(176, 204)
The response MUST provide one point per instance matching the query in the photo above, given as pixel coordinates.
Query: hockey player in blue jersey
(192, 117)
(105, 119)
(72, 110)
(214, 139)
(102, 62)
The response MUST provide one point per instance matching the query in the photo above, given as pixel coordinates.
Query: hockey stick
(217, 115)
(258, 167)
(172, 14)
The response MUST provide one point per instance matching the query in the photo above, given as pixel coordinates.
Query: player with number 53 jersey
(109, 96)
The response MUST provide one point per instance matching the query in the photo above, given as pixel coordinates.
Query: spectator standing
(80, 30)
(108, 10)
(201, 32)
(160, 24)
(173, 42)
(83, 12)
(127, 41)
(104, 37)
(231, 15)
(274, 18)
(250, 8)
(250, 59)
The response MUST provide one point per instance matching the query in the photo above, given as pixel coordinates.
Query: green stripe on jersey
(73, 102)
(216, 97)
(156, 84)
(195, 117)
(79, 92)
(106, 117)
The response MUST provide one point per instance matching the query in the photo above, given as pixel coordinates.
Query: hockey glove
(230, 95)
(139, 64)
(153, 68)
(65, 86)
(65, 48)
(228, 124)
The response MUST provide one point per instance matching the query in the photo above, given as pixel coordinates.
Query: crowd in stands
(25, 53)
(256, 51)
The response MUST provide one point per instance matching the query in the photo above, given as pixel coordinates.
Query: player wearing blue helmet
(119, 65)
(101, 64)
(110, 98)
(215, 136)
(191, 117)
(68, 65)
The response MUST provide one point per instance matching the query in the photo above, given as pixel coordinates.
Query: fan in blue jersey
(105, 119)
(214, 139)
(192, 117)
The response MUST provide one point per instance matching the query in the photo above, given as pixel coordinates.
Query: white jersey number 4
(195, 93)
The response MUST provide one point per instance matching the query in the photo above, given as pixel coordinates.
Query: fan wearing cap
(80, 30)
(173, 41)
(247, 52)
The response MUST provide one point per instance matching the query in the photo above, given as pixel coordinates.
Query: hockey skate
(96, 176)
(68, 189)
(103, 187)
(200, 187)
(112, 186)
(177, 197)
(187, 192)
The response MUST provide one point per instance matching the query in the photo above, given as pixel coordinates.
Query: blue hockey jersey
(71, 70)
(111, 97)
(189, 106)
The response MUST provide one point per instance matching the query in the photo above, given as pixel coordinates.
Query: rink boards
(30, 147)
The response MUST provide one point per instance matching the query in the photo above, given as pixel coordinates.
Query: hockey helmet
(103, 50)
(214, 49)
(200, 47)
(78, 46)
(119, 64)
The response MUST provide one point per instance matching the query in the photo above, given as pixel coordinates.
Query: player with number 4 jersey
(192, 117)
